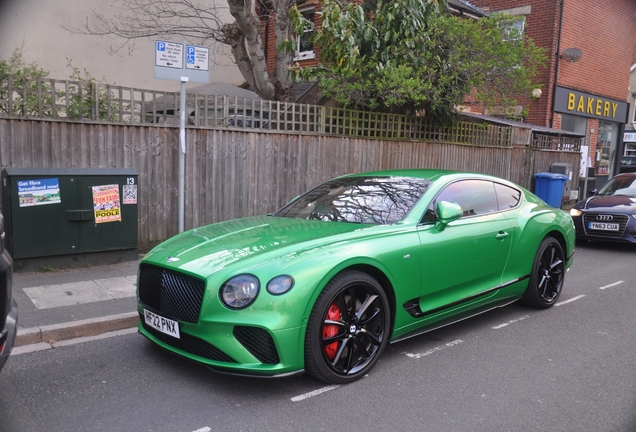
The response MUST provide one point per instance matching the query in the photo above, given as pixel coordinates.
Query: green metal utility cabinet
(53, 212)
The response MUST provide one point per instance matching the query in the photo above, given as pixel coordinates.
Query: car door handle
(501, 235)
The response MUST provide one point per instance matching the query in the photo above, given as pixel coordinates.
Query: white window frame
(513, 21)
(310, 54)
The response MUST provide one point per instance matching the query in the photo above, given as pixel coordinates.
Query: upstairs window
(513, 27)
(305, 49)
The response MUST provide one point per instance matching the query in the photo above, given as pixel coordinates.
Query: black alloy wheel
(348, 328)
(548, 272)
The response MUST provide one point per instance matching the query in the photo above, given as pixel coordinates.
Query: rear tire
(348, 328)
(546, 278)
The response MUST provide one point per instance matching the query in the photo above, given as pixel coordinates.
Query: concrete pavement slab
(74, 303)
(119, 287)
(45, 297)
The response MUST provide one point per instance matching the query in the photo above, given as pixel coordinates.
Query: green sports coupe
(323, 284)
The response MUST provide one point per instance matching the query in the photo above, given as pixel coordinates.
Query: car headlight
(240, 291)
(575, 212)
(280, 285)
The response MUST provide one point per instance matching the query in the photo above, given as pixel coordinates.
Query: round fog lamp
(240, 291)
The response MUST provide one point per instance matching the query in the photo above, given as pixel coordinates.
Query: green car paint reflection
(323, 284)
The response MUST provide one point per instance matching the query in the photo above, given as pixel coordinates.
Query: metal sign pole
(172, 62)
(182, 151)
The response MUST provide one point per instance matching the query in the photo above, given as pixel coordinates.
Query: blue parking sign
(161, 46)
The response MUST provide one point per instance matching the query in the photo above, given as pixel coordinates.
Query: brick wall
(605, 30)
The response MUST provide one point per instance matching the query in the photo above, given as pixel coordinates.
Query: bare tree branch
(207, 24)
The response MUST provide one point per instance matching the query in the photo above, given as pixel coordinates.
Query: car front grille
(621, 220)
(190, 344)
(258, 342)
(174, 295)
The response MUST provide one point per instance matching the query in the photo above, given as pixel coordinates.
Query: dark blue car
(610, 213)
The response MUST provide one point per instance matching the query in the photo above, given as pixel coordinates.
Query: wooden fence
(234, 173)
(47, 98)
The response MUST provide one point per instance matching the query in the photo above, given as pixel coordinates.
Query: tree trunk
(246, 41)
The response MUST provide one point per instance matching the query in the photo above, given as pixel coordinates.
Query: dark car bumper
(625, 233)
(9, 333)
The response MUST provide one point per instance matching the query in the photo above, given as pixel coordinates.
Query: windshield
(365, 200)
(619, 186)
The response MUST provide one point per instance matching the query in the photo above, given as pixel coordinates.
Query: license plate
(604, 226)
(164, 325)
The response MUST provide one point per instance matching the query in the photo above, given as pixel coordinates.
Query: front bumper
(234, 348)
(625, 234)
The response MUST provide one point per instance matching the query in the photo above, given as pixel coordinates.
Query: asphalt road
(569, 368)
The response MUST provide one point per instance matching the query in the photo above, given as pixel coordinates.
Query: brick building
(584, 87)
(591, 46)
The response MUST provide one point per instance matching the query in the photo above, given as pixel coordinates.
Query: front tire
(546, 278)
(348, 328)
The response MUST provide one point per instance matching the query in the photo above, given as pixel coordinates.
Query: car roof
(422, 173)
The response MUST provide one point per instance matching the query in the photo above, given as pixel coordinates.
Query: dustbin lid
(551, 176)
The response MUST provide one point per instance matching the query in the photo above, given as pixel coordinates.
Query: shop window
(305, 49)
(606, 147)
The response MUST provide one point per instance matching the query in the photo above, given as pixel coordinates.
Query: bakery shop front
(602, 121)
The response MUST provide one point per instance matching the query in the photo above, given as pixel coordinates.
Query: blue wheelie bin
(549, 187)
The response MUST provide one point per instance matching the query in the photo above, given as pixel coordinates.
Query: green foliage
(26, 83)
(87, 99)
(33, 94)
(411, 56)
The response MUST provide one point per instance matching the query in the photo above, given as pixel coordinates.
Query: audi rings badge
(604, 218)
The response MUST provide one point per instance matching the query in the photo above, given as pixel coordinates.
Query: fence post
(95, 101)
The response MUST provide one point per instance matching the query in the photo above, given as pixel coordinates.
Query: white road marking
(203, 429)
(314, 393)
(42, 346)
(510, 322)
(611, 285)
(570, 300)
(433, 350)
(26, 349)
(94, 338)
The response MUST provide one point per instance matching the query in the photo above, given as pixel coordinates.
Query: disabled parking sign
(198, 58)
(174, 61)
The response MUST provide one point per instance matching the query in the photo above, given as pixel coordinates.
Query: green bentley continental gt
(323, 284)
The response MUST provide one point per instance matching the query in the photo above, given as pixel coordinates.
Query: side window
(476, 197)
(507, 197)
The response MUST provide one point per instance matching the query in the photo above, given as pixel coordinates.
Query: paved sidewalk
(65, 304)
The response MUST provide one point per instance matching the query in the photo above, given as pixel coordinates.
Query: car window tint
(507, 197)
(368, 200)
(475, 197)
(619, 186)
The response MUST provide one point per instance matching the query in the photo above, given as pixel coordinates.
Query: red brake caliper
(330, 330)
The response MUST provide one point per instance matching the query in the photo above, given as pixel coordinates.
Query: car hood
(209, 249)
(613, 203)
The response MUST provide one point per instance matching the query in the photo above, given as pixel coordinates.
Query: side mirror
(446, 213)
(592, 192)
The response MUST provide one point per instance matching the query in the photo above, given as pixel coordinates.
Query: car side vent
(258, 342)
